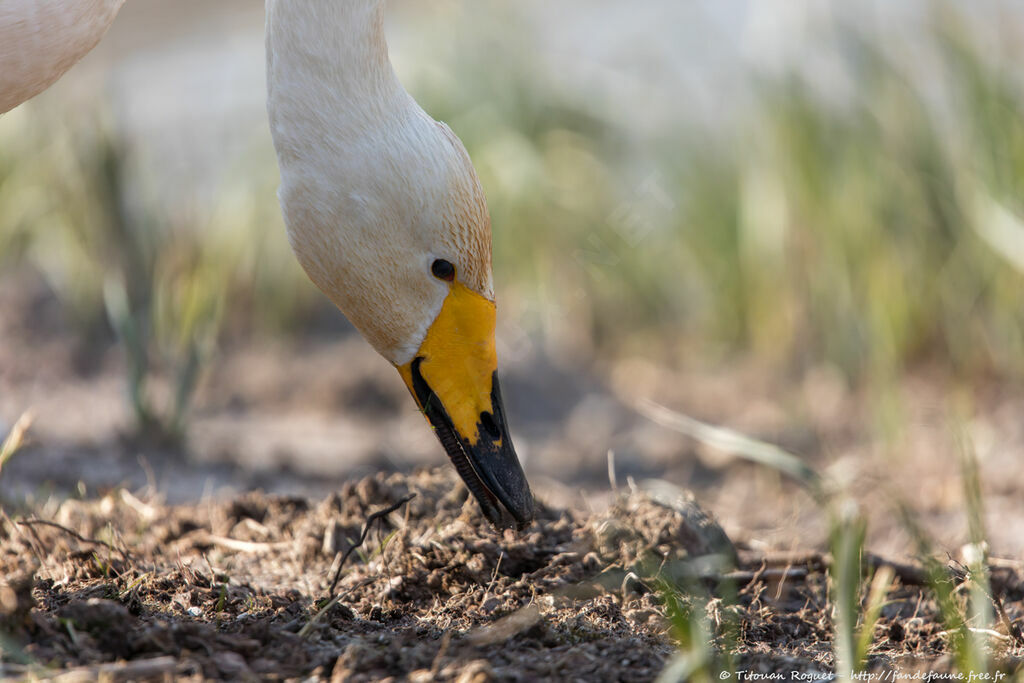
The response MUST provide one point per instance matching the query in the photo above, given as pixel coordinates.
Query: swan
(383, 208)
(386, 215)
(41, 39)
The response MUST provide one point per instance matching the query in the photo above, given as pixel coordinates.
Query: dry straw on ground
(128, 589)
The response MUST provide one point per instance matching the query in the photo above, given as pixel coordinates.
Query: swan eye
(443, 270)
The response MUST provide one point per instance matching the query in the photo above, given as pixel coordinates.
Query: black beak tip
(522, 514)
(504, 484)
(488, 466)
(513, 520)
(502, 510)
(523, 510)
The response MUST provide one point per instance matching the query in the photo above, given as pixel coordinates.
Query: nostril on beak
(487, 420)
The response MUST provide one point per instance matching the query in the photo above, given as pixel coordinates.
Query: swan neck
(335, 51)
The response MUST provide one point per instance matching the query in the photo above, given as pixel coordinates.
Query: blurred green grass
(874, 233)
(167, 285)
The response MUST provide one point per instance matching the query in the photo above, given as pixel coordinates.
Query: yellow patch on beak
(454, 381)
(459, 360)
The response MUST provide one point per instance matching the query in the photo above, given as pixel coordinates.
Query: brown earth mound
(126, 589)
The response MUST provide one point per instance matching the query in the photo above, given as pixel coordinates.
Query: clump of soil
(234, 590)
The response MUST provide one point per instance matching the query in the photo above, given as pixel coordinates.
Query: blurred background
(803, 220)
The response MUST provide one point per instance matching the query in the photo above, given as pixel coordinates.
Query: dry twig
(121, 671)
(74, 534)
(780, 574)
(909, 574)
(16, 438)
(362, 537)
(305, 630)
(494, 577)
(246, 546)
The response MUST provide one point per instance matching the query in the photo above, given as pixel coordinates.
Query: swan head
(388, 219)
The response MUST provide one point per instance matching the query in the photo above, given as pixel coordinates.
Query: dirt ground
(213, 559)
(235, 590)
(302, 416)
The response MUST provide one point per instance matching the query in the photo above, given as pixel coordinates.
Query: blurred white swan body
(41, 39)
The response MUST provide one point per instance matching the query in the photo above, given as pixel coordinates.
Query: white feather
(41, 39)
(372, 188)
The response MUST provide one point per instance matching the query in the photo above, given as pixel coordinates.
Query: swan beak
(453, 378)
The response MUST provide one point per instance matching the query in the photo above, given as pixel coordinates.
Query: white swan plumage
(377, 196)
(382, 205)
